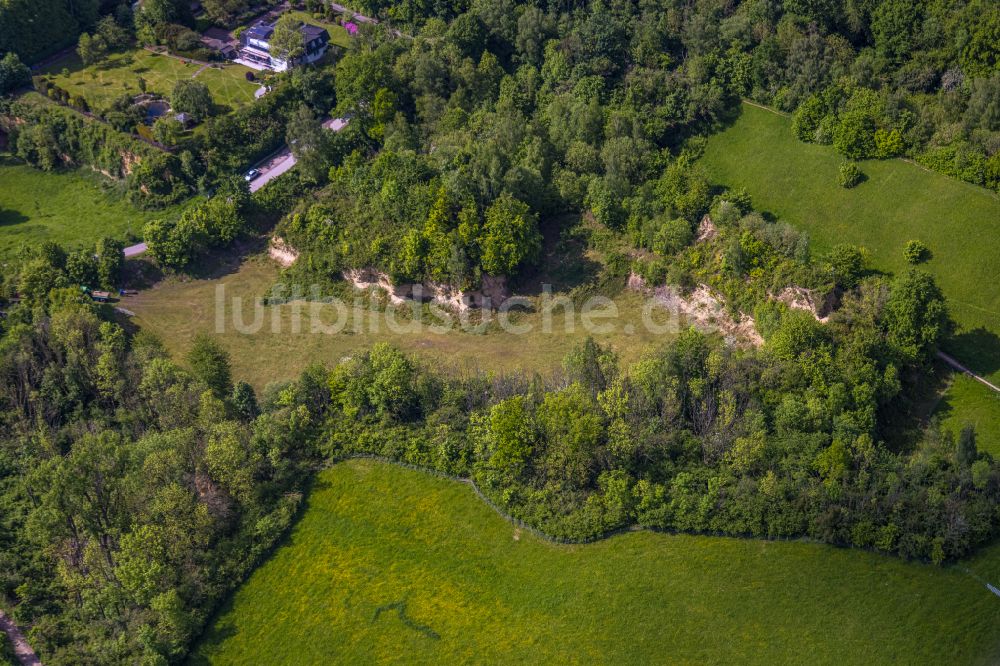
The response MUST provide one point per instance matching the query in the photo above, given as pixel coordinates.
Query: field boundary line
(634, 527)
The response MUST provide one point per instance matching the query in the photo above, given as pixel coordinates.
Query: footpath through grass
(73, 208)
(389, 564)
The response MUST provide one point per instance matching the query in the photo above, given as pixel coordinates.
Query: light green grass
(179, 308)
(102, 83)
(338, 35)
(968, 402)
(73, 208)
(900, 201)
(474, 589)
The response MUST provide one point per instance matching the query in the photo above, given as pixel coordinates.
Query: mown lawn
(179, 308)
(389, 564)
(104, 82)
(73, 208)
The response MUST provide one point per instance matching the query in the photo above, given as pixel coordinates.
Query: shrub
(916, 252)
(854, 136)
(672, 236)
(13, 73)
(888, 143)
(850, 175)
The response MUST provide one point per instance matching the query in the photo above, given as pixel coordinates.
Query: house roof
(263, 32)
(311, 32)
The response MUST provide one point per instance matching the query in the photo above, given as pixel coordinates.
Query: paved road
(961, 368)
(283, 160)
(273, 167)
(360, 18)
(22, 650)
(135, 250)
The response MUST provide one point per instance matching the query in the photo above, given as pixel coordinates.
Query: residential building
(257, 46)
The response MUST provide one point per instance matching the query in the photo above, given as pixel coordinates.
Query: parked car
(251, 174)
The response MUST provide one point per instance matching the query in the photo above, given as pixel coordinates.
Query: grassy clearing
(73, 208)
(898, 202)
(177, 309)
(104, 82)
(388, 563)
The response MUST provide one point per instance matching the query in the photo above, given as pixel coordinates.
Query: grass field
(900, 201)
(72, 208)
(102, 83)
(968, 401)
(389, 564)
(177, 309)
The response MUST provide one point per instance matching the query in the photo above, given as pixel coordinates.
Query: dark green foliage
(210, 224)
(33, 30)
(916, 316)
(688, 439)
(13, 73)
(193, 97)
(244, 401)
(110, 261)
(131, 501)
(210, 364)
(52, 137)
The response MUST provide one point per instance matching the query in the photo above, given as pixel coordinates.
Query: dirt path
(22, 650)
(961, 368)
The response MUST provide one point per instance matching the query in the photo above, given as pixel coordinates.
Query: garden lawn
(390, 564)
(177, 309)
(102, 83)
(899, 201)
(74, 208)
(338, 35)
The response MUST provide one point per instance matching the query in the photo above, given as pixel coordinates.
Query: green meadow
(388, 564)
(73, 207)
(899, 201)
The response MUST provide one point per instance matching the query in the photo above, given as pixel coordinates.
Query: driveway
(283, 160)
(135, 250)
(273, 167)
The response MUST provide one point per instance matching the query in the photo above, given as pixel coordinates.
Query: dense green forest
(135, 493)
